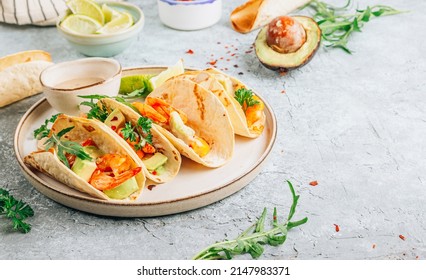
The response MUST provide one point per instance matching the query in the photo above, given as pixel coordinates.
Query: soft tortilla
(20, 81)
(106, 140)
(206, 115)
(256, 13)
(23, 57)
(209, 79)
(160, 142)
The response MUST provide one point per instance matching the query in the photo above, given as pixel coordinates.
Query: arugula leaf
(253, 239)
(65, 146)
(15, 210)
(245, 98)
(43, 131)
(337, 26)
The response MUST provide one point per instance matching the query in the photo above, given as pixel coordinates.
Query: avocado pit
(285, 35)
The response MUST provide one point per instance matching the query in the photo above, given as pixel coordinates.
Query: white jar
(189, 15)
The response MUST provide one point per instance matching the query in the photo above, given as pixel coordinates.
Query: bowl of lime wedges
(104, 28)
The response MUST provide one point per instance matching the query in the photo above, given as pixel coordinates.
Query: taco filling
(173, 120)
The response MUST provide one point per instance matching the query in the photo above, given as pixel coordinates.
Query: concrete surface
(355, 123)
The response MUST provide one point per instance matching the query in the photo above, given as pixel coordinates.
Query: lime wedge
(124, 21)
(87, 8)
(109, 13)
(80, 24)
(170, 72)
(135, 82)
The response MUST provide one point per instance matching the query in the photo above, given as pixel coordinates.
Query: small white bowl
(64, 82)
(189, 15)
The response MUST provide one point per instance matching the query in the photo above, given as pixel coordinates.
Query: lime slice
(81, 24)
(109, 13)
(124, 21)
(170, 72)
(87, 8)
(135, 82)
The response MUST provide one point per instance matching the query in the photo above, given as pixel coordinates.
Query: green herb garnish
(336, 27)
(253, 239)
(245, 98)
(95, 112)
(66, 146)
(43, 131)
(142, 131)
(15, 210)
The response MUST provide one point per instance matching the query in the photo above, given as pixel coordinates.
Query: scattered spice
(249, 51)
(213, 62)
(336, 227)
(402, 237)
(233, 54)
(226, 68)
(374, 246)
(283, 91)
(417, 257)
(282, 73)
(218, 43)
(221, 58)
(240, 73)
(150, 187)
(236, 65)
(313, 183)
(190, 51)
(227, 59)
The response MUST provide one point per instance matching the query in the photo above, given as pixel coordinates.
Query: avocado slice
(84, 168)
(124, 190)
(287, 61)
(115, 120)
(154, 162)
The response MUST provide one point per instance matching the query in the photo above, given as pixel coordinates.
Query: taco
(192, 119)
(87, 156)
(158, 158)
(19, 75)
(244, 107)
(256, 13)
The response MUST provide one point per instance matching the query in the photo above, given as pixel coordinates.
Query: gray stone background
(355, 123)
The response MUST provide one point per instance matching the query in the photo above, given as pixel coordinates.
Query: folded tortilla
(159, 141)
(223, 87)
(19, 75)
(104, 138)
(256, 13)
(206, 116)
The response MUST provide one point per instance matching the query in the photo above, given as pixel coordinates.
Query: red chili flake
(226, 68)
(226, 46)
(233, 54)
(227, 59)
(417, 257)
(154, 172)
(228, 52)
(402, 237)
(150, 187)
(374, 246)
(212, 55)
(236, 65)
(313, 183)
(213, 62)
(336, 227)
(113, 127)
(249, 51)
(221, 58)
(275, 218)
(283, 91)
(283, 73)
(190, 51)
(236, 49)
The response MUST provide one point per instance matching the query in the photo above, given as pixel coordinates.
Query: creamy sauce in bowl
(79, 82)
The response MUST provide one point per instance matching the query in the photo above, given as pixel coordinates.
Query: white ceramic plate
(195, 186)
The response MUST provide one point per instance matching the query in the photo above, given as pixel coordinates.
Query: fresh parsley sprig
(65, 146)
(253, 239)
(43, 130)
(142, 131)
(245, 98)
(15, 210)
(336, 27)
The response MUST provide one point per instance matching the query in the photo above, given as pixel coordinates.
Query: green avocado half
(288, 61)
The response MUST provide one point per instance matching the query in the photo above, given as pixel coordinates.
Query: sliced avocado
(124, 190)
(115, 120)
(93, 152)
(84, 168)
(179, 129)
(154, 162)
(142, 83)
(283, 62)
